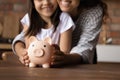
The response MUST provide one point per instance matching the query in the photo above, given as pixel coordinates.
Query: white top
(65, 24)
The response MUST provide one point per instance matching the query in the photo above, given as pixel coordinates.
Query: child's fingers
(24, 53)
(25, 57)
(21, 60)
(27, 62)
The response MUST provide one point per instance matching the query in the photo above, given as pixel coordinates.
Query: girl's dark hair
(92, 3)
(36, 22)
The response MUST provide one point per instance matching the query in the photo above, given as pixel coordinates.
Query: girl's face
(45, 7)
(68, 5)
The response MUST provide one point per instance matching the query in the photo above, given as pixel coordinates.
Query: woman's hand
(60, 59)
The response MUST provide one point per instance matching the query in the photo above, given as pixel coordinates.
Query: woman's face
(45, 7)
(68, 5)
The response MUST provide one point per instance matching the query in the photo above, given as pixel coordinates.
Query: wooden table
(100, 71)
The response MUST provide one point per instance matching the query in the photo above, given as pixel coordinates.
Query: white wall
(108, 53)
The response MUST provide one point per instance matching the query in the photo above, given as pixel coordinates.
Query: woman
(88, 17)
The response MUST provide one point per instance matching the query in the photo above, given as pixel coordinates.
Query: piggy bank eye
(33, 45)
(44, 45)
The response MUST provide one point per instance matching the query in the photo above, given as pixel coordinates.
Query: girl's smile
(47, 9)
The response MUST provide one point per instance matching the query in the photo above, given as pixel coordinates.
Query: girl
(88, 17)
(45, 19)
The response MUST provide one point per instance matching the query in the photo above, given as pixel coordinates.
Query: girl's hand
(23, 57)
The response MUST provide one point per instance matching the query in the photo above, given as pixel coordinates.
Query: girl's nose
(46, 1)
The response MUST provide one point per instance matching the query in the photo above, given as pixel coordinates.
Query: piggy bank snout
(39, 52)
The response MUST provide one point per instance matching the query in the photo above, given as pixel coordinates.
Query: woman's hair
(92, 3)
(36, 22)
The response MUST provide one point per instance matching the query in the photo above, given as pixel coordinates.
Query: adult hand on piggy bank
(40, 52)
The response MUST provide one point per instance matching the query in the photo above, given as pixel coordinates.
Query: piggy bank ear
(49, 40)
(32, 38)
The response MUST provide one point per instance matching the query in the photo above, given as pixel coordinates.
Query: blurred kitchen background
(11, 11)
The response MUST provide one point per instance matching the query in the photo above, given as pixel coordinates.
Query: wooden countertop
(100, 71)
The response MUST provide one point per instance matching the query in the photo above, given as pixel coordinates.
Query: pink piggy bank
(40, 52)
